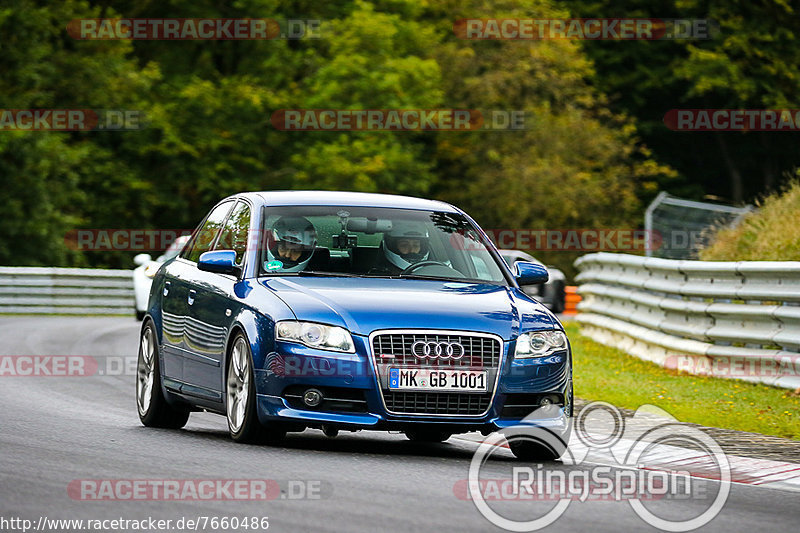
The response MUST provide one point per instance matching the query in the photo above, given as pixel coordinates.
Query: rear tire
(154, 410)
(240, 398)
(427, 435)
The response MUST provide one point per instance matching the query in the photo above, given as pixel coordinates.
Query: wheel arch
(148, 320)
(258, 331)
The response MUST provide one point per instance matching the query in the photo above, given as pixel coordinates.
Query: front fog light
(315, 335)
(312, 397)
(540, 343)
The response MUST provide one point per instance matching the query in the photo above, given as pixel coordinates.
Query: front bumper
(292, 368)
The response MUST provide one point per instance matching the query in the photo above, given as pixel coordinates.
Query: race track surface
(56, 430)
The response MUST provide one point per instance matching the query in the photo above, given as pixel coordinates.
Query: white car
(552, 293)
(145, 271)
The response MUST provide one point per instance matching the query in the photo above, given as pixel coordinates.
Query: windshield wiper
(439, 278)
(323, 273)
(309, 273)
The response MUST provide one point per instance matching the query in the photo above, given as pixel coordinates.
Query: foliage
(578, 164)
(751, 62)
(54, 181)
(770, 234)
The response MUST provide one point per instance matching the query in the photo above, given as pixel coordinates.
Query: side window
(234, 234)
(204, 237)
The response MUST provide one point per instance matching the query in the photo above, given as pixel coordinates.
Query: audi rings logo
(434, 350)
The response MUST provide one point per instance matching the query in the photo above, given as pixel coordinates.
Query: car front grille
(480, 352)
(437, 403)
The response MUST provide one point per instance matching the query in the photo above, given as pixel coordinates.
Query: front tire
(240, 397)
(153, 408)
(532, 451)
(543, 444)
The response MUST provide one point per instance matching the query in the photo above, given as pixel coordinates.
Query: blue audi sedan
(342, 311)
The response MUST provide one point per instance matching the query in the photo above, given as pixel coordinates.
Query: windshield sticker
(273, 265)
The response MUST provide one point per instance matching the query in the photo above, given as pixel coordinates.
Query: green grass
(608, 374)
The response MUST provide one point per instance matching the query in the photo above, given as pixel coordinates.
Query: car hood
(364, 305)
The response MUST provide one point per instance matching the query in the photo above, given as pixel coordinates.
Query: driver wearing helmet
(404, 245)
(292, 242)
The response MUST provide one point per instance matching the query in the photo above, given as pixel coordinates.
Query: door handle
(192, 294)
(167, 285)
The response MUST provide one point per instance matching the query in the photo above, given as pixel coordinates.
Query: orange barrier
(571, 300)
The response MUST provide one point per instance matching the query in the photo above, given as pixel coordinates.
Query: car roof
(355, 199)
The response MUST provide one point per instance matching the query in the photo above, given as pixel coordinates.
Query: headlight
(540, 343)
(315, 335)
(151, 269)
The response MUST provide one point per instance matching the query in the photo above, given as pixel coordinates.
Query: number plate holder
(437, 380)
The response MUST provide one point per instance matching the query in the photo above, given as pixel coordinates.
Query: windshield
(374, 242)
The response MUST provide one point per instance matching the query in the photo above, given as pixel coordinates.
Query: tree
(576, 165)
(44, 175)
(752, 62)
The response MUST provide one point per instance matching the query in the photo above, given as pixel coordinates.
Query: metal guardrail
(70, 291)
(728, 319)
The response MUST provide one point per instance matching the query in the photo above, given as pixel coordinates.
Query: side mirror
(530, 273)
(141, 259)
(219, 261)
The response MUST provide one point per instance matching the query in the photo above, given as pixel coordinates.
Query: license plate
(423, 379)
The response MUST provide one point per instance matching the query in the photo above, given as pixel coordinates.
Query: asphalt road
(54, 430)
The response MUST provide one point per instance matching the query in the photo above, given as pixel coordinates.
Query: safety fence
(727, 319)
(69, 291)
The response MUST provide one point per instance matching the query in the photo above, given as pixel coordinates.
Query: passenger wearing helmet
(292, 242)
(404, 245)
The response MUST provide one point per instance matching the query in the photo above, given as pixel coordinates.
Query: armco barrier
(70, 291)
(728, 319)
